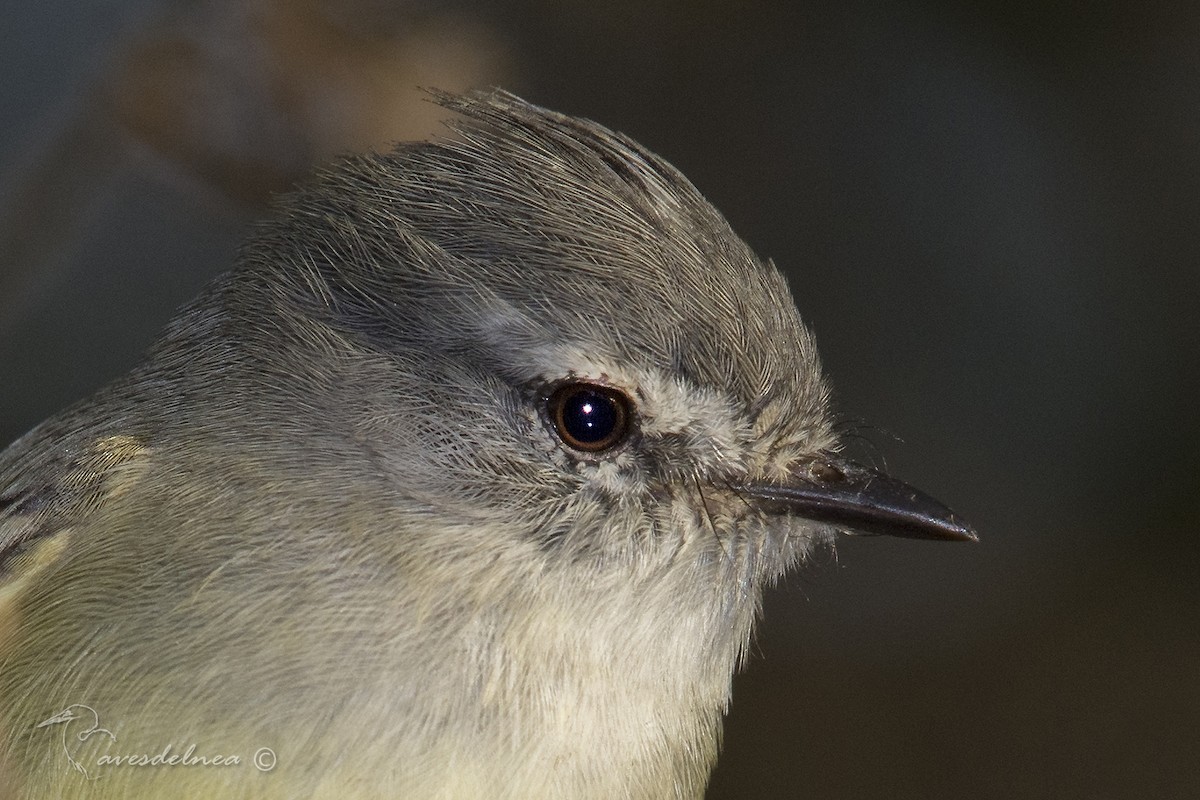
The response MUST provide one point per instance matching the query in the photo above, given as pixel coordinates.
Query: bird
(466, 481)
(74, 713)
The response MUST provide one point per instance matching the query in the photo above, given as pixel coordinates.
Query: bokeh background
(988, 212)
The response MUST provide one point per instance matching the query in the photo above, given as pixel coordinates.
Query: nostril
(824, 472)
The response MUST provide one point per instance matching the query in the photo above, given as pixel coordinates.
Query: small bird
(465, 482)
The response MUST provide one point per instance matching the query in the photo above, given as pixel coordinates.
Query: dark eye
(589, 417)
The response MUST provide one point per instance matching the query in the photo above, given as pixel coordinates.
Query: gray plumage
(328, 514)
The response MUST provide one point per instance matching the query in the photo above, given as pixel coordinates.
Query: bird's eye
(589, 417)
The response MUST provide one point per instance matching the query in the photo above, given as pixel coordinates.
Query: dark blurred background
(988, 212)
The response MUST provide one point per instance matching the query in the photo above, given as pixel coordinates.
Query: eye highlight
(589, 417)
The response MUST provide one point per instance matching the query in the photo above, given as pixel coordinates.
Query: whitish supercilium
(465, 482)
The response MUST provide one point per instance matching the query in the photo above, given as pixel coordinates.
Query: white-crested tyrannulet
(465, 483)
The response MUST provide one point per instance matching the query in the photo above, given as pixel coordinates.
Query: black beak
(861, 499)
